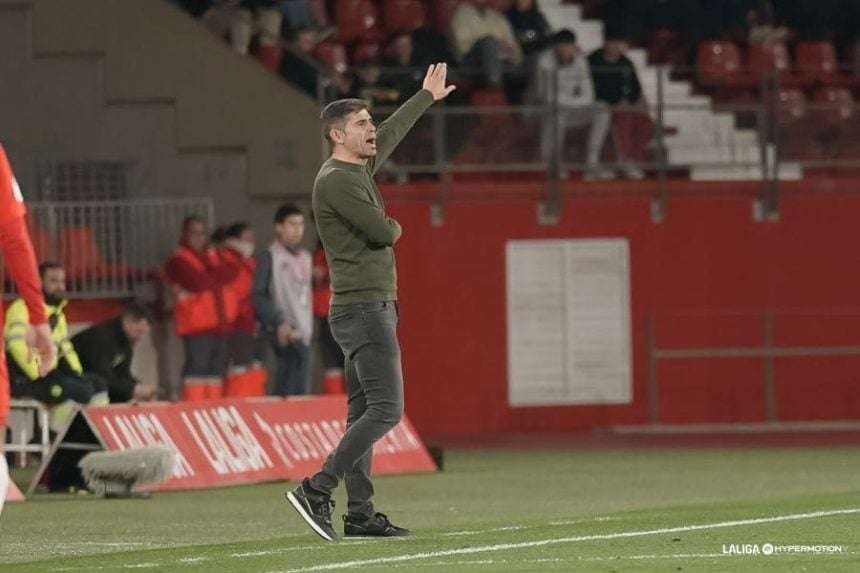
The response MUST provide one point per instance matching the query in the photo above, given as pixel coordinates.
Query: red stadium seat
(82, 258)
(41, 240)
(442, 12)
(834, 106)
(357, 20)
(816, 62)
(366, 51)
(404, 16)
(332, 56)
(791, 106)
(770, 57)
(319, 12)
(718, 63)
(501, 5)
(270, 57)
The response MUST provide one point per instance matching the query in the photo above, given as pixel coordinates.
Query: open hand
(40, 343)
(434, 81)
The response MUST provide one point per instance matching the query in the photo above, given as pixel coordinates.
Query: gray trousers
(367, 333)
(597, 116)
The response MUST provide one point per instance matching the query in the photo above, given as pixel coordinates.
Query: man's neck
(343, 155)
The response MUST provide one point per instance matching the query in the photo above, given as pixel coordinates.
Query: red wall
(705, 274)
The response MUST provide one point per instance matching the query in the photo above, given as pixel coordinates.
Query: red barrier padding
(232, 441)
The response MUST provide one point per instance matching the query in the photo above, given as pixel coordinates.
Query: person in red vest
(246, 375)
(20, 262)
(205, 310)
(332, 355)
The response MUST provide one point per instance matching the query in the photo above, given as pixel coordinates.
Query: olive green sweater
(350, 216)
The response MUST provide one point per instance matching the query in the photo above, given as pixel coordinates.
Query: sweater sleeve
(264, 306)
(392, 131)
(353, 204)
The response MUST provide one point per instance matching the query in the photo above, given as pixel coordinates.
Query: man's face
(402, 48)
(54, 283)
(369, 75)
(358, 136)
(566, 51)
(247, 236)
(291, 230)
(616, 48)
(196, 236)
(135, 329)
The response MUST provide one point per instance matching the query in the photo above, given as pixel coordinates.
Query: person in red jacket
(332, 355)
(205, 310)
(246, 375)
(20, 262)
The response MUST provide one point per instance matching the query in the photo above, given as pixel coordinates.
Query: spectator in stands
(332, 355)
(403, 70)
(282, 300)
(107, 349)
(482, 38)
(245, 375)
(761, 24)
(530, 28)
(204, 311)
(370, 85)
(563, 79)
(297, 63)
(65, 384)
(616, 84)
(239, 20)
(297, 14)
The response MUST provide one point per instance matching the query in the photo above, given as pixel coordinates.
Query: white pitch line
(575, 539)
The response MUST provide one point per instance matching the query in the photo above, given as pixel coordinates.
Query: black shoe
(376, 526)
(315, 509)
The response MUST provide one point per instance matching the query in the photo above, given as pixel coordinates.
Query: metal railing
(109, 248)
(767, 347)
(766, 129)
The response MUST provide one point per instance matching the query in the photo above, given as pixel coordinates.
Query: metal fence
(109, 248)
(765, 128)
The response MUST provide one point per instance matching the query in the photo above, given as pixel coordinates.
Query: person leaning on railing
(20, 260)
(616, 84)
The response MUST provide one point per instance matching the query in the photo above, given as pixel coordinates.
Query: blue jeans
(293, 372)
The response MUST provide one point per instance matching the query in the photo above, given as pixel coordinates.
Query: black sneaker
(314, 509)
(376, 526)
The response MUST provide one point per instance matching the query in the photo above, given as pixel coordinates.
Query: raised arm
(392, 131)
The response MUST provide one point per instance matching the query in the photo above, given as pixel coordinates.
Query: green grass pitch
(614, 510)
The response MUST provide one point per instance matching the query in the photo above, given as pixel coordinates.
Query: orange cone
(194, 392)
(333, 383)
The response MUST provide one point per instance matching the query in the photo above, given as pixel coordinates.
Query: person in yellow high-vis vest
(65, 383)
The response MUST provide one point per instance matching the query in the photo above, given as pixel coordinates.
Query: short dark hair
(334, 115)
(235, 230)
(48, 266)
(564, 36)
(286, 210)
(191, 220)
(137, 311)
(218, 235)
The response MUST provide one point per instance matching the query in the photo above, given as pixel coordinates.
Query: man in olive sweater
(358, 238)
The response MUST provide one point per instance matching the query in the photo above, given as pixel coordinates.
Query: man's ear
(337, 136)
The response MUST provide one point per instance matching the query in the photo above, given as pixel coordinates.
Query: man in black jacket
(106, 348)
